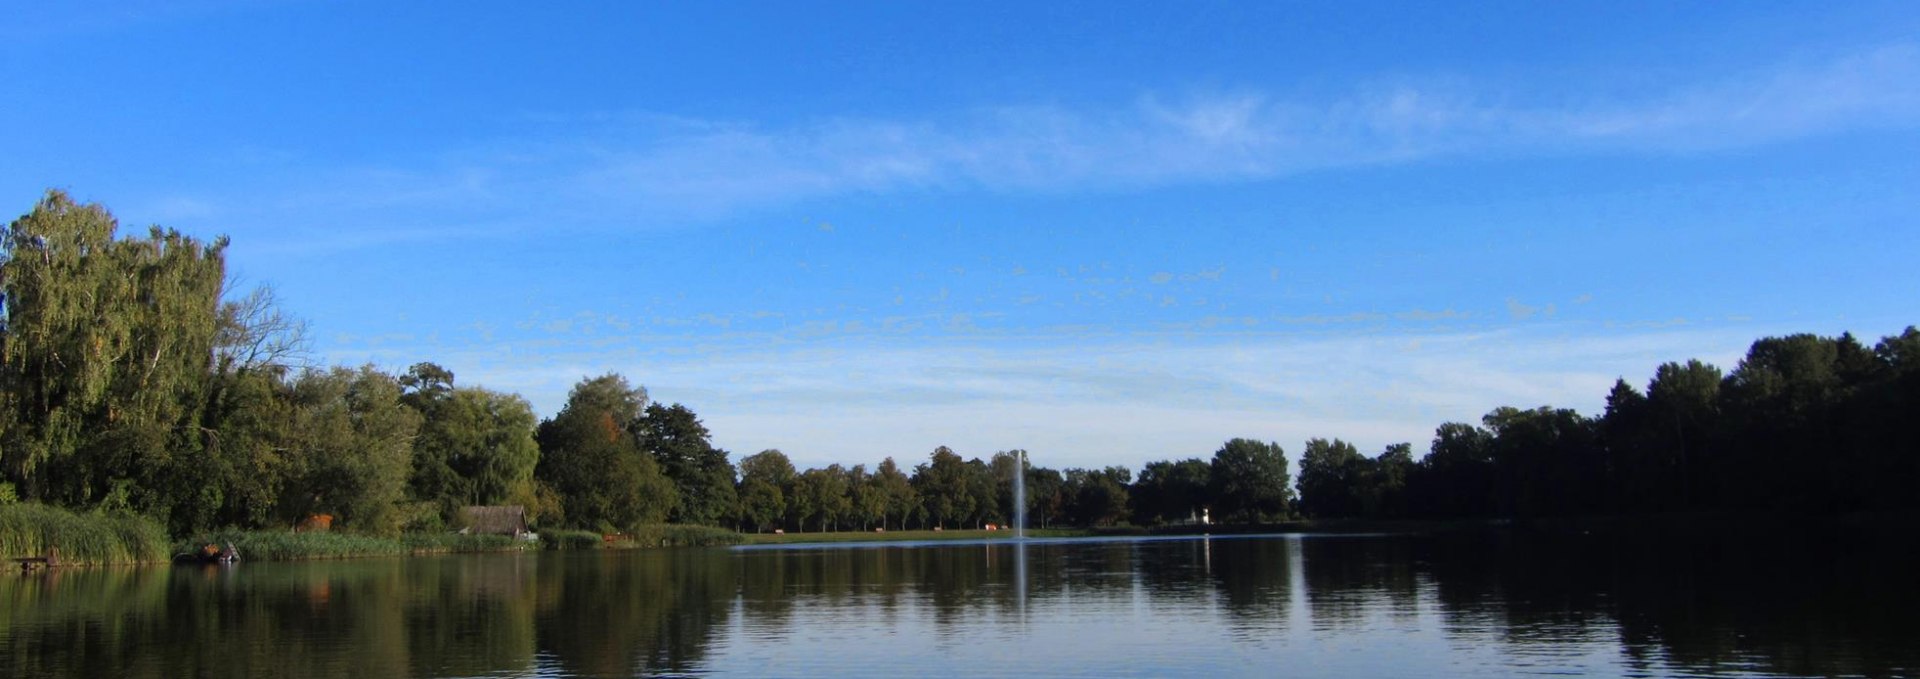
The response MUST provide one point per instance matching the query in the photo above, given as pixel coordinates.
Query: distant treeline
(1802, 425)
(134, 380)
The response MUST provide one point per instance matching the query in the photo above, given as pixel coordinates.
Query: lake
(1480, 603)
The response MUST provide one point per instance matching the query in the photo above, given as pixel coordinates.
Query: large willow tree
(105, 356)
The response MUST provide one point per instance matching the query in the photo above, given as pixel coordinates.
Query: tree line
(135, 378)
(1803, 424)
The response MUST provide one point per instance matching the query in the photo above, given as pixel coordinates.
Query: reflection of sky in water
(1091, 623)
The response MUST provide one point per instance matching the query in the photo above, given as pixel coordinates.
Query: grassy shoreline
(906, 536)
(1299, 526)
(290, 546)
(29, 530)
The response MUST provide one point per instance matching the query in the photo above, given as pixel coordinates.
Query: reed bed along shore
(31, 530)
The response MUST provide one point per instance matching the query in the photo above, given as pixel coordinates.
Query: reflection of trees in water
(1699, 599)
(289, 620)
(1524, 589)
(1683, 601)
(69, 622)
(1254, 582)
(1835, 601)
(633, 612)
(1349, 578)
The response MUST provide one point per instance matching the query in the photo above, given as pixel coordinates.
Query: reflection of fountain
(1020, 577)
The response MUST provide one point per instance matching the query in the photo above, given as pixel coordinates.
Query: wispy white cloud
(621, 170)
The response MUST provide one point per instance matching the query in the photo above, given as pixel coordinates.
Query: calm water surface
(1478, 604)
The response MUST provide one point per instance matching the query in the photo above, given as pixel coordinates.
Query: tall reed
(31, 529)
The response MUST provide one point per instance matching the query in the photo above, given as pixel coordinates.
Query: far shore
(1647, 523)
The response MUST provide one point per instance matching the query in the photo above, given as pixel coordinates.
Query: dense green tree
(821, 496)
(350, 445)
(1171, 491)
(247, 462)
(986, 492)
(1889, 408)
(495, 453)
(1393, 471)
(1333, 478)
(589, 456)
(766, 480)
(1548, 461)
(1046, 497)
(428, 389)
(475, 447)
(104, 366)
(1097, 497)
(1457, 477)
(867, 500)
(898, 495)
(1250, 481)
(941, 482)
(701, 474)
(1683, 421)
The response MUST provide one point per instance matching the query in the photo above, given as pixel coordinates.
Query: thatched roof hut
(495, 520)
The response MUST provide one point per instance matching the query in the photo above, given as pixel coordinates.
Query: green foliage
(1250, 481)
(475, 446)
(570, 539)
(350, 450)
(1171, 491)
(590, 458)
(821, 496)
(941, 483)
(1096, 497)
(104, 366)
(29, 529)
(456, 543)
(897, 496)
(1330, 478)
(766, 483)
(1046, 497)
(702, 477)
(281, 545)
(866, 501)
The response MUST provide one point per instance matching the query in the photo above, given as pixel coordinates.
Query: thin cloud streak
(645, 170)
(704, 168)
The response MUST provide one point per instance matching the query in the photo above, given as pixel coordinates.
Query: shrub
(570, 539)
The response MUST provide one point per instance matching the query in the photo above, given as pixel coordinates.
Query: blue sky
(1104, 232)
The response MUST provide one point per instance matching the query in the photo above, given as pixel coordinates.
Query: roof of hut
(500, 519)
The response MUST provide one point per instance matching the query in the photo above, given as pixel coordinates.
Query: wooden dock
(28, 563)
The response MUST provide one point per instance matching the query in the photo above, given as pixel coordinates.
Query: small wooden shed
(495, 519)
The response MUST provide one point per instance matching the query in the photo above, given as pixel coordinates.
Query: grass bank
(30, 529)
(290, 546)
(674, 535)
(906, 536)
(259, 545)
